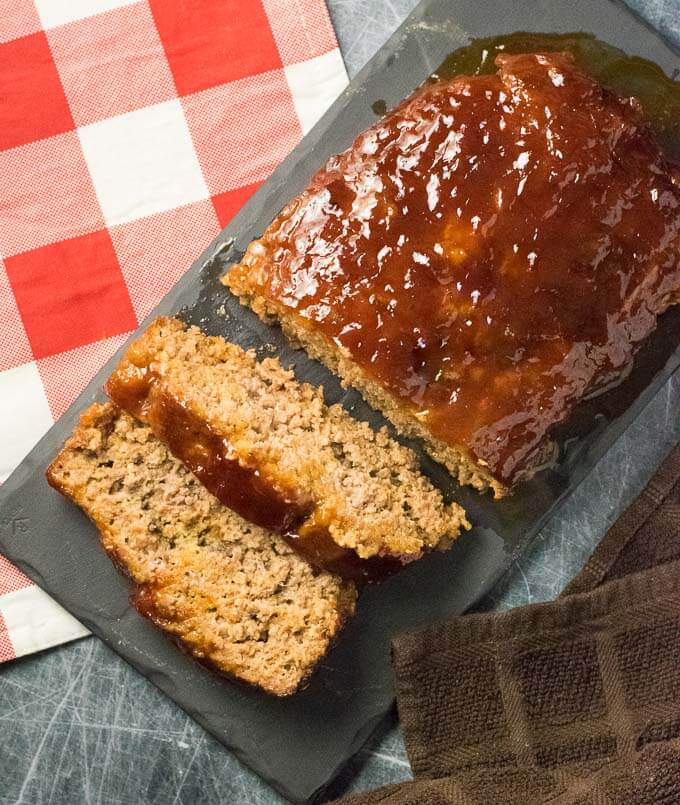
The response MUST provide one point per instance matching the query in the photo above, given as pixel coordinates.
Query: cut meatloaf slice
(268, 446)
(480, 260)
(235, 595)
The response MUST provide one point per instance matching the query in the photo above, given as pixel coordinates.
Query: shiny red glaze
(490, 252)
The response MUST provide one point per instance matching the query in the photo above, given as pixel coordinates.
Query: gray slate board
(289, 742)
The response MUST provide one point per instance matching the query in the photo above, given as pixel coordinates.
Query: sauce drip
(491, 251)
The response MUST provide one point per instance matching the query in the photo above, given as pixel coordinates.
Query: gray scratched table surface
(77, 725)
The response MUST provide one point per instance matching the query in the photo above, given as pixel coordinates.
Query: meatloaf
(480, 260)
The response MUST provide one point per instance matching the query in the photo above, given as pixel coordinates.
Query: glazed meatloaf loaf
(344, 496)
(480, 259)
(235, 595)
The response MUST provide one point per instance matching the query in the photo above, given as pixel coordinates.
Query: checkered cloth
(130, 133)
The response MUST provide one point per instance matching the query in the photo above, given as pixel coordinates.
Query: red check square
(210, 42)
(155, 252)
(70, 293)
(242, 130)
(32, 101)
(14, 346)
(229, 203)
(135, 72)
(46, 194)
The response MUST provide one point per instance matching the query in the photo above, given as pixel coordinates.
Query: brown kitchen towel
(651, 779)
(572, 702)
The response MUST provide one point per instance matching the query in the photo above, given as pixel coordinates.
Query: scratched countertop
(78, 725)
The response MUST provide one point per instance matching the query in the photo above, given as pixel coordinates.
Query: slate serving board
(298, 744)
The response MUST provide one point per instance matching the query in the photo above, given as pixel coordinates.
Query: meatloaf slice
(235, 595)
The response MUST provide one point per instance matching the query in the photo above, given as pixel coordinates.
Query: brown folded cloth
(575, 701)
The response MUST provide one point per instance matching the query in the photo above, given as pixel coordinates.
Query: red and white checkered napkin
(130, 133)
